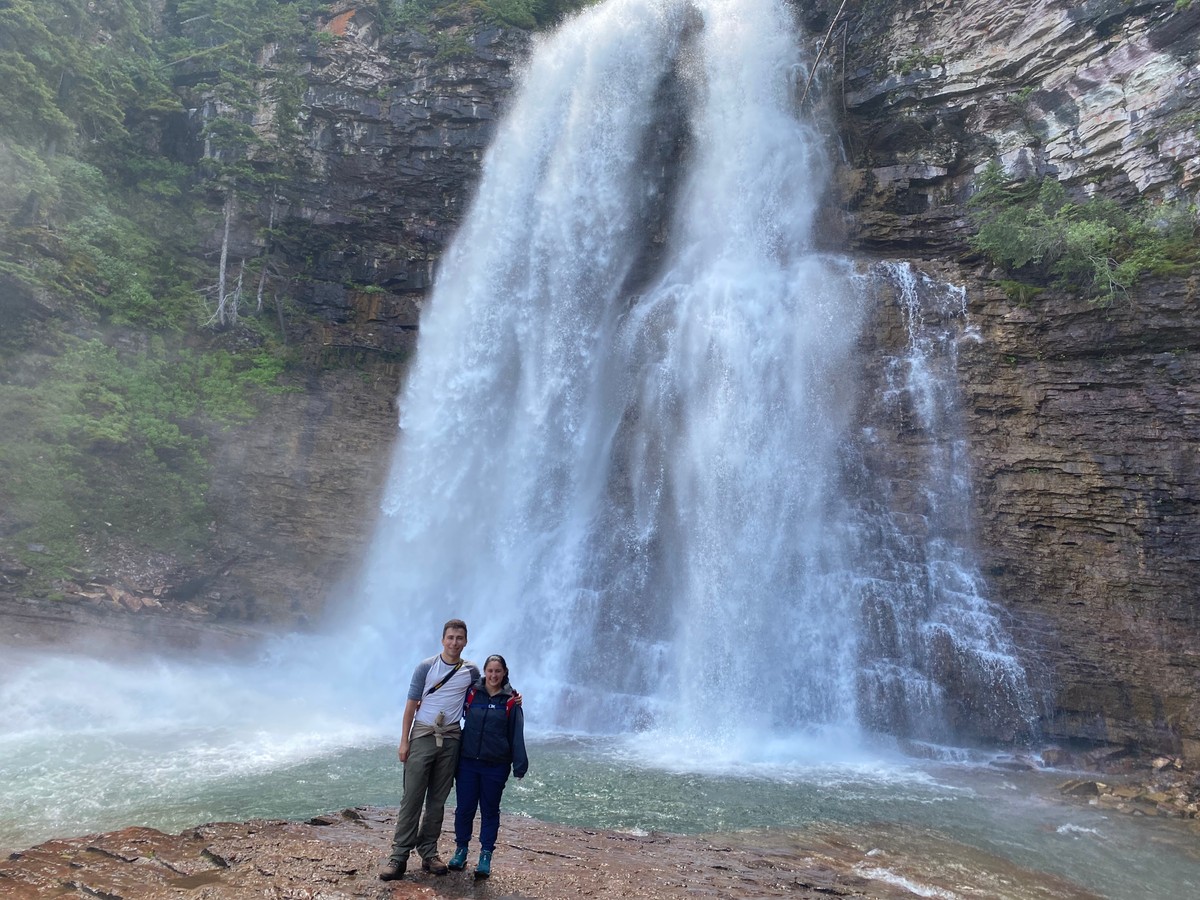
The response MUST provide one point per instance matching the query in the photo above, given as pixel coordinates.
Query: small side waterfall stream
(935, 660)
(628, 441)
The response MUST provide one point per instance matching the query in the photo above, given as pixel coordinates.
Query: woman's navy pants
(479, 786)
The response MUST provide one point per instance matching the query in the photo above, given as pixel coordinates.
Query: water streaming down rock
(628, 450)
(935, 660)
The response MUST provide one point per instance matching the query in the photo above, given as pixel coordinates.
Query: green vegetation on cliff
(529, 14)
(1034, 230)
(101, 442)
(110, 381)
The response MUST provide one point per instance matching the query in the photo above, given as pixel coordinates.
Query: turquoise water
(105, 782)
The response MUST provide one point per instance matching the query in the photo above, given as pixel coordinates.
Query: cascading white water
(935, 661)
(623, 439)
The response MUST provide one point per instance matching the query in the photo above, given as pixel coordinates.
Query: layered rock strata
(1083, 420)
(394, 128)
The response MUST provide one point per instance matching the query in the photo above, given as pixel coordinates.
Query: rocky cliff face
(1099, 95)
(394, 131)
(1083, 420)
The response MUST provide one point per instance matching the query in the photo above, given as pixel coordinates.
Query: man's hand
(410, 712)
(517, 697)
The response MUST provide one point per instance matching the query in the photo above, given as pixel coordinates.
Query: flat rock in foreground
(337, 856)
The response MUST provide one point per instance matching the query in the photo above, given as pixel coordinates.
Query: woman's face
(493, 674)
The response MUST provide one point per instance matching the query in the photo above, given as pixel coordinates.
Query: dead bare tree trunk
(262, 274)
(236, 296)
(221, 315)
(262, 283)
(282, 325)
(821, 51)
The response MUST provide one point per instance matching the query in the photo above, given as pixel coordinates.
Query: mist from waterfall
(623, 440)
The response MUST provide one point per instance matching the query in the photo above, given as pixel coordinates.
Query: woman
(493, 742)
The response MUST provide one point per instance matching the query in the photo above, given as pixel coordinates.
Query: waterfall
(631, 452)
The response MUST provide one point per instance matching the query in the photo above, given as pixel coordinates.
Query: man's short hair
(455, 623)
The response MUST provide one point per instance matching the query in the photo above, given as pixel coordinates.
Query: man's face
(453, 642)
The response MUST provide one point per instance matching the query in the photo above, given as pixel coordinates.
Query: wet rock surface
(80, 625)
(1160, 787)
(1082, 423)
(338, 855)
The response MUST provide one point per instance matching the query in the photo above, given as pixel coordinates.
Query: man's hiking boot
(484, 867)
(458, 861)
(434, 865)
(392, 870)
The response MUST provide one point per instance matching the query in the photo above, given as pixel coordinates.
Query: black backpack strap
(449, 675)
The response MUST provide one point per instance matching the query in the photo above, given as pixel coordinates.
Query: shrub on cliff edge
(1033, 230)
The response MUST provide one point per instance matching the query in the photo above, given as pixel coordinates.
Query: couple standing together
(458, 725)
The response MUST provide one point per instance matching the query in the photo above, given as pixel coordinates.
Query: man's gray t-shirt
(447, 699)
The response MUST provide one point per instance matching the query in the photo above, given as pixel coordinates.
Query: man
(429, 750)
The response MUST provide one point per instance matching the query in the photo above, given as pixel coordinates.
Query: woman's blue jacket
(494, 729)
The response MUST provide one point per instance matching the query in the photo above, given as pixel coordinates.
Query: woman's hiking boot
(458, 861)
(484, 867)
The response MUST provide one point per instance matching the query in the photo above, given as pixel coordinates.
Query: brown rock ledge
(336, 856)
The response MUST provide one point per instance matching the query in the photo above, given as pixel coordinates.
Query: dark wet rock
(76, 623)
(1080, 788)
